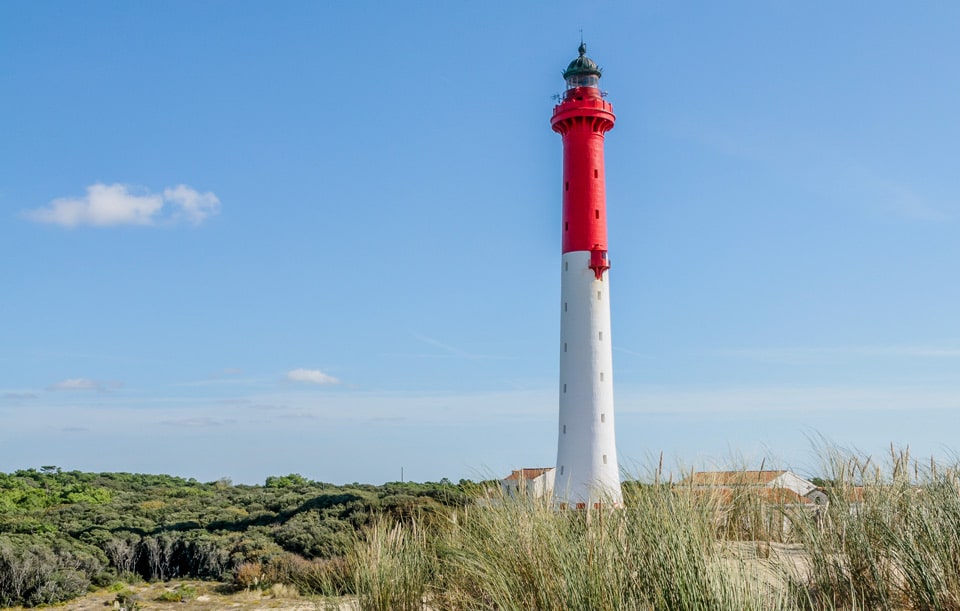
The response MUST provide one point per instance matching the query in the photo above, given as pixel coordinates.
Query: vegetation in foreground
(889, 539)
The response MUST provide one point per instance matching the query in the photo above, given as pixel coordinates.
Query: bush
(181, 593)
(249, 575)
(128, 600)
(313, 536)
(325, 577)
(36, 571)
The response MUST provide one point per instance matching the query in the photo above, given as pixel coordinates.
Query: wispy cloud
(311, 376)
(218, 381)
(446, 348)
(446, 351)
(81, 384)
(191, 205)
(825, 170)
(297, 415)
(198, 422)
(233, 402)
(811, 354)
(18, 396)
(117, 204)
(906, 203)
(787, 399)
(645, 355)
(267, 407)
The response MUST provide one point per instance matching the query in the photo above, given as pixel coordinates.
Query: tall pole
(587, 472)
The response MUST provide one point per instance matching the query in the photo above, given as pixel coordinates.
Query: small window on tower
(603, 417)
(600, 335)
(596, 173)
(561, 469)
(566, 186)
(604, 459)
(564, 306)
(564, 346)
(596, 214)
(564, 388)
(599, 296)
(566, 265)
(564, 429)
(601, 376)
(566, 226)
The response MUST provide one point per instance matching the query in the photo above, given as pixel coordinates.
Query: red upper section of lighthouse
(582, 118)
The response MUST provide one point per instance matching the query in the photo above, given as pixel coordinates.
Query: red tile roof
(527, 474)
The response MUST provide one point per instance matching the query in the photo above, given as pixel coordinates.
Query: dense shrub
(39, 571)
(74, 529)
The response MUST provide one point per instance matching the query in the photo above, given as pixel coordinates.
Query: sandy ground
(210, 597)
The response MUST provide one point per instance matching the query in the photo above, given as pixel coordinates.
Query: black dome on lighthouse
(583, 65)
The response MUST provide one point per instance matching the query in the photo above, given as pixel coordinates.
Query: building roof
(527, 474)
(732, 478)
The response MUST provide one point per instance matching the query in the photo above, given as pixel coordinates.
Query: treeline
(62, 532)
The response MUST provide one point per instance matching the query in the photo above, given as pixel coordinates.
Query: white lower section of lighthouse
(587, 471)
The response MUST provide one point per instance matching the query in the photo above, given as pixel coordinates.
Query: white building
(529, 483)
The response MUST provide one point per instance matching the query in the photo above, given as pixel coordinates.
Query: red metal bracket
(598, 262)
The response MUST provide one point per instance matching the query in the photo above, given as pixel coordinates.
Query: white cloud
(76, 384)
(108, 205)
(194, 206)
(85, 384)
(312, 376)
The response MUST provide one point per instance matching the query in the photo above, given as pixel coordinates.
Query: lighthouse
(587, 473)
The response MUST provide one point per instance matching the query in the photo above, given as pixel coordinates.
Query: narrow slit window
(603, 417)
(564, 429)
(566, 186)
(600, 333)
(601, 376)
(599, 296)
(561, 469)
(604, 459)
(566, 265)
(596, 213)
(564, 306)
(566, 226)
(564, 346)
(564, 388)
(596, 173)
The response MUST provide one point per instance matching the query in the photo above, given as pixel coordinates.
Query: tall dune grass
(395, 566)
(889, 539)
(660, 552)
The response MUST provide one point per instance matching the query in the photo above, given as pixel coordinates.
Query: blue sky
(245, 239)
